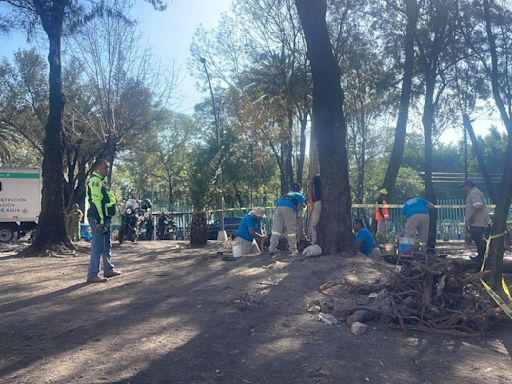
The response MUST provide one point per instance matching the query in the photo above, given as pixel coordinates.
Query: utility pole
(222, 233)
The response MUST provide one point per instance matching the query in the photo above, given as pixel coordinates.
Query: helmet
(145, 204)
(383, 192)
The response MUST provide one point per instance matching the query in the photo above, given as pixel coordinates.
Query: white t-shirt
(475, 202)
(132, 203)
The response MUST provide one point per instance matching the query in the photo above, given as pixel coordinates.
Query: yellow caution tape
(369, 206)
(506, 307)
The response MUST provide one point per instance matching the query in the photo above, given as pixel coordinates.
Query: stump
(198, 229)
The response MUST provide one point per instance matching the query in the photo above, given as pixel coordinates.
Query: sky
(170, 34)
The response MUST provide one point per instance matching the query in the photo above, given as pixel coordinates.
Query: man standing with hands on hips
(102, 205)
(475, 217)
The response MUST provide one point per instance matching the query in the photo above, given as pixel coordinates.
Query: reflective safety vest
(380, 212)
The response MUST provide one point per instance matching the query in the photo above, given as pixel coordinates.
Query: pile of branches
(438, 297)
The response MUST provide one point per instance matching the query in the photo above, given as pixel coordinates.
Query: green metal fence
(450, 217)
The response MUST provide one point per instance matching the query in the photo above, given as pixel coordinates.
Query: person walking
(314, 207)
(416, 216)
(101, 209)
(475, 217)
(75, 216)
(285, 221)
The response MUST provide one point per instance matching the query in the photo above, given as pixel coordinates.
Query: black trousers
(477, 235)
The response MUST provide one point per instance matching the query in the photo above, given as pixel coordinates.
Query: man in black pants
(475, 217)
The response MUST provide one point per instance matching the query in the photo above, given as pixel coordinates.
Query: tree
(264, 49)
(411, 13)
(335, 233)
(433, 41)
(499, 76)
(128, 86)
(54, 17)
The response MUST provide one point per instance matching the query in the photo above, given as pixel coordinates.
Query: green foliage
(409, 182)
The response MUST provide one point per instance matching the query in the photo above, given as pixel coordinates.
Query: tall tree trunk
(302, 148)
(287, 154)
(439, 21)
(395, 161)
(503, 203)
(170, 195)
(314, 156)
(51, 230)
(477, 151)
(335, 227)
(79, 194)
(428, 122)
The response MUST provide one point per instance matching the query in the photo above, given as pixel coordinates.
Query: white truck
(20, 201)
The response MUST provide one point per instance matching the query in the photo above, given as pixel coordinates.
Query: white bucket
(406, 246)
(237, 249)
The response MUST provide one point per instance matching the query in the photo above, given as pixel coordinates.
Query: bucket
(406, 246)
(237, 249)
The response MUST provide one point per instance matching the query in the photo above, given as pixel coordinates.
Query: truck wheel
(6, 234)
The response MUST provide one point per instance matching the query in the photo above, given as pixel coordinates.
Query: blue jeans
(100, 248)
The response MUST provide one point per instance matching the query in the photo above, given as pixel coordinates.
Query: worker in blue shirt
(364, 242)
(250, 230)
(285, 221)
(416, 216)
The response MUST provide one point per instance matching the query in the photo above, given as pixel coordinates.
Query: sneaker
(294, 254)
(112, 273)
(96, 279)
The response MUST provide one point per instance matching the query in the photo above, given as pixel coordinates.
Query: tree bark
(499, 227)
(430, 194)
(314, 157)
(397, 153)
(335, 229)
(170, 194)
(302, 148)
(51, 230)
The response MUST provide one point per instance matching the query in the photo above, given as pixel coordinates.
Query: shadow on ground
(181, 315)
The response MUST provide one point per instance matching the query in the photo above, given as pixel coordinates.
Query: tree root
(58, 249)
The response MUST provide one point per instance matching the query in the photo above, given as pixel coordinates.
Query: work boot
(112, 273)
(96, 279)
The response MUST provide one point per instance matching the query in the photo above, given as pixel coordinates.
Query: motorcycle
(165, 227)
(133, 221)
(130, 223)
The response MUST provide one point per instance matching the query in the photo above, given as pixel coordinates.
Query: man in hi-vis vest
(102, 205)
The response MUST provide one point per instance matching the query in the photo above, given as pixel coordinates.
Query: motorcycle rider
(132, 201)
(129, 220)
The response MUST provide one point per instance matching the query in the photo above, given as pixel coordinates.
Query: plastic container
(237, 249)
(406, 246)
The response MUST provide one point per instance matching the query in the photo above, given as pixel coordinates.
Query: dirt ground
(180, 315)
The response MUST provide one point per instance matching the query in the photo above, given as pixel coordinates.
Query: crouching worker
(364, 242)
(250, 230)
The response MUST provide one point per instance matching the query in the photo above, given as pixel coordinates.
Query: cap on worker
(468, 183)
(258, 212)
(296, 187)
(383, 192)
